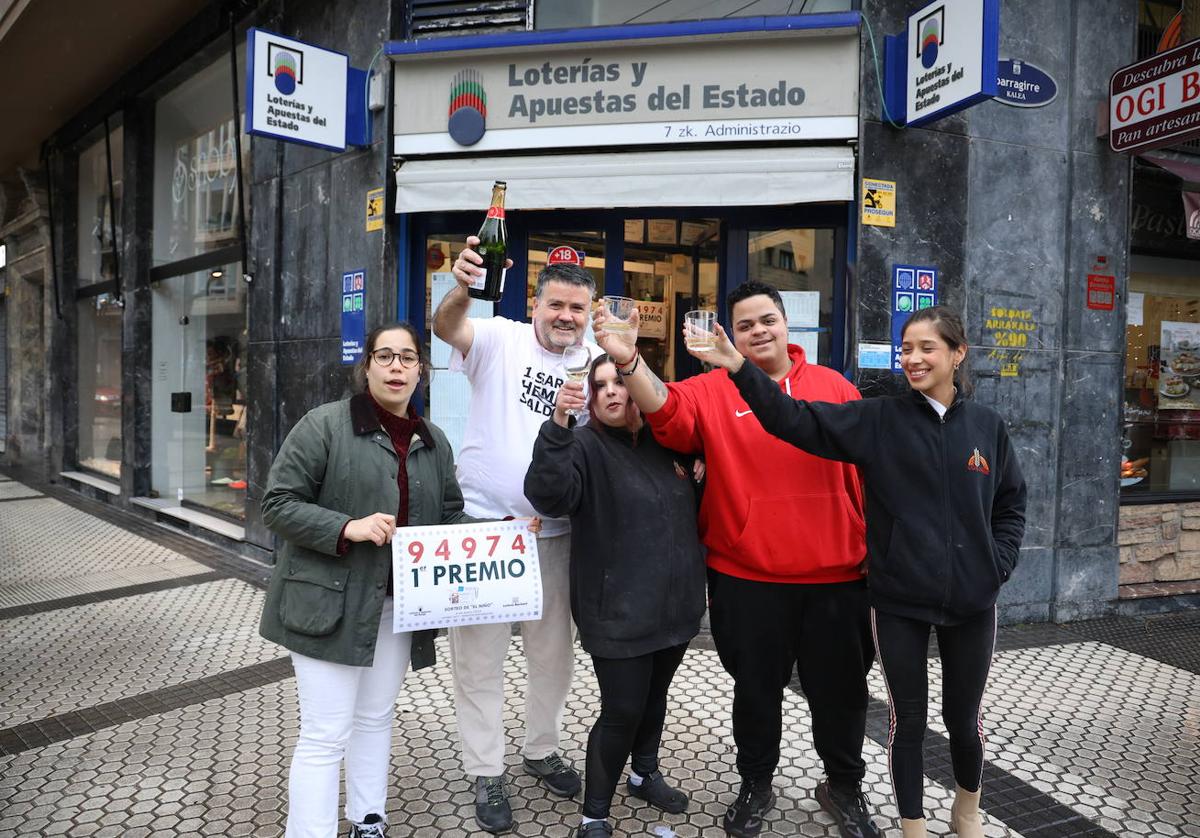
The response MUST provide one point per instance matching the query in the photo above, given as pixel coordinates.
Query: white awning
(719, 177)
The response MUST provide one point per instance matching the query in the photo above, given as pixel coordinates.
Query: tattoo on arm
(660, 389)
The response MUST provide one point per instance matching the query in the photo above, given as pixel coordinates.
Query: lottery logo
(930, 36)
(468, 108)
(287, 68)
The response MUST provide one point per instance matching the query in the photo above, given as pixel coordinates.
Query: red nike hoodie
(770, 513)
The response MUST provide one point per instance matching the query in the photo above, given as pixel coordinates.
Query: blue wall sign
(354, 316)
(914, 287)
(1023, 85)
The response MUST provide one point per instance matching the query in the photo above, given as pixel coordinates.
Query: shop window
(195, 166)
(99, 384)
(99, 217)
(448, 393)
(799, 262)
(98, 307)
(1161, 440)
(198, 332)
(589, 244)
(198, 396)
(561, 14)
(670, 268)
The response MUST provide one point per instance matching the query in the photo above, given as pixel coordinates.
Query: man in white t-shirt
(515, 370)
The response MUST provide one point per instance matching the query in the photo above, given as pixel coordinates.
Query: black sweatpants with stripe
(966, 648)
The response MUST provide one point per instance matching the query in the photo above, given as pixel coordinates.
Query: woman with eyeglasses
(349, 473)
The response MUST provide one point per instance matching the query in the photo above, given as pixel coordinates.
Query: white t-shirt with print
(514, 383)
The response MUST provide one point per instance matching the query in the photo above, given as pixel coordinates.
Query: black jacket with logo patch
(945, 496)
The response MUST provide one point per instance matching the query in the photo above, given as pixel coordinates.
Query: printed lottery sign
(465, 575)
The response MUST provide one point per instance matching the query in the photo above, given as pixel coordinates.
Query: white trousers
(346, 713)
(478, 653)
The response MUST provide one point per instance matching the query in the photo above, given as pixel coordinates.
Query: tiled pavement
(136, 699)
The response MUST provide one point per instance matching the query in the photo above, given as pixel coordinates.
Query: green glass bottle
(493, 247)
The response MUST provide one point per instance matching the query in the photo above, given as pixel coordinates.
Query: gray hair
(567, 274)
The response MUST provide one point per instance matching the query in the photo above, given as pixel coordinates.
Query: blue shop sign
(1023, 85)
(914, 287)
(354, 316)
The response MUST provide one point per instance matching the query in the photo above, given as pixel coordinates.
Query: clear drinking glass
(699, 330)
(576, 361)
(620, 310)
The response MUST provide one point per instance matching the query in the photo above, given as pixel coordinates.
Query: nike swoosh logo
(740, 413)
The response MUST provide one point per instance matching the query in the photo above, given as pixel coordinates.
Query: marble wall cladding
(1104, 39)
(1023, 386)
(1040, 33)
(1013, 206)
(264, 260)
(1016, 256)
(931, 218)
(262, 437)
(1099, 228)
(1026, 596)
(137, 319)
(1090, 450)
(309, 373)
(306, 307)
(1085, 582)
(352, 247)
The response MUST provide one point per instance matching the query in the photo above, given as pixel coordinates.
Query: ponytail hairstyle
(949, 326)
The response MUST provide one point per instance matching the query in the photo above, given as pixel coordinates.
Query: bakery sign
(1155, 102)
(776, 86)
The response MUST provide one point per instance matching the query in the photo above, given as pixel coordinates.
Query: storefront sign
(1191, 213)
(375, 210)
(778, 86)
(945, 60)
(1156, 102)
(354, 316)
(879, 202)
(295, 91)
(653, 319)
(1101, 291)
(914, 287)
(1023, 85)
(465, 575)
(1011, 330)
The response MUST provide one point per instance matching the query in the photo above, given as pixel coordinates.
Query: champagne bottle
(493, 247)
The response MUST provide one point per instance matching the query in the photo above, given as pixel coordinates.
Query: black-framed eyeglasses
(385, 356)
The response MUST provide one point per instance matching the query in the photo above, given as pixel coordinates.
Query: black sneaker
(655, 791)
(555, 774)
(595, 829)
(849, 809)
(745, 817)
(371, 827)
(492, 810)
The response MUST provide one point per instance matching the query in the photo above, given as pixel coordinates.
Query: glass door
(199, 408)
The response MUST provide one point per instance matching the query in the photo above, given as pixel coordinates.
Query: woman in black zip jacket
(945, 518)
(637, 576)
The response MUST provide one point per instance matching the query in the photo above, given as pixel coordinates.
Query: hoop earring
(956, 367)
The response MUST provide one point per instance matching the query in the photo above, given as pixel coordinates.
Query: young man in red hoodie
(785, 538)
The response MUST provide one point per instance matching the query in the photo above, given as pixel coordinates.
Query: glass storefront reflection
(99, 384)
(799, 262)
(198, 412)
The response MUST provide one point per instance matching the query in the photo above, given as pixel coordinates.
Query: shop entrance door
(671, 260)
(198, 412)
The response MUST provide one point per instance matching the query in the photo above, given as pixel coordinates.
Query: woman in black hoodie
(945, 518)
(637, 576)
